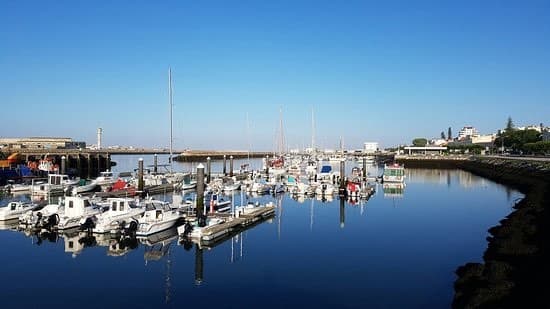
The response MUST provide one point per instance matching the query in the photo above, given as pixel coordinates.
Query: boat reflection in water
(117, 245)
(393, 189)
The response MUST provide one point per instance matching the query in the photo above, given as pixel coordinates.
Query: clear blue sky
(385, 71)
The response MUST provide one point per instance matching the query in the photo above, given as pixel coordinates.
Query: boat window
(87, 203)
(13, 206)
(71, 244)
(121, 208)
(114, 207)
(70, 204)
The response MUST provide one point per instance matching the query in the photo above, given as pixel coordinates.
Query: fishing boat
(393, 173)
(122, 213)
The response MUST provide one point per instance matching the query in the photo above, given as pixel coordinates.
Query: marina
(262, 231)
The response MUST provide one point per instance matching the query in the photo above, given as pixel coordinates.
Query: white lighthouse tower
(99, 132)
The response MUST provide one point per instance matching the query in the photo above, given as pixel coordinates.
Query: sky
(384, 71)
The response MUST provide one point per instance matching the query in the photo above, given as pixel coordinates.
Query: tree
(449, 134)
(420, 142)
(509, 124)
(442, 135)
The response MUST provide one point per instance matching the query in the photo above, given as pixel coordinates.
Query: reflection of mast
(311, 215)
(342, 213)
(280, 206)
(199, 264)
(168, 280)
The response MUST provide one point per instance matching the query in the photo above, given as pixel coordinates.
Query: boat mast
(312, 130)
(281, 132)
(170, 103)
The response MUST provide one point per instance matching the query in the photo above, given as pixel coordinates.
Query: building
(370, 147)
(546, 136)
(467, 132)
(487, 139)
(41, 143)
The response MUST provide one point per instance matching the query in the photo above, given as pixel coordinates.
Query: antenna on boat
(281, 133)
(171, 105)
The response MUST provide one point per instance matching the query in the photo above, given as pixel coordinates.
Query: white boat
(83, 187)
(76, 210)
(192, 230)
(41, 216)
(15, 209)
(56, 185)
(105, 179)
(121, 212)
(158, 216)
(393, 173)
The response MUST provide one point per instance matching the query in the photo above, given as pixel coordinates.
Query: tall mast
(312, 130)
(281, 132)
(170, 102)
(248, 138)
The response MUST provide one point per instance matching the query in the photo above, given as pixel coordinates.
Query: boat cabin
(75, 206)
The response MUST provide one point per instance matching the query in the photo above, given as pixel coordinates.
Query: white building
(484, 139)
(467, 131)
(370, 147)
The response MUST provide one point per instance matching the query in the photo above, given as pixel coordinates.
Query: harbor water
(399, 249)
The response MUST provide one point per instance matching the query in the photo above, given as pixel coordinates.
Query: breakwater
(513, 272)
(201, 155)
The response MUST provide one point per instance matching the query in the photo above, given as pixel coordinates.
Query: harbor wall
(514, 269)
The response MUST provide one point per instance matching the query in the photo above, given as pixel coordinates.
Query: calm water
(400, 249)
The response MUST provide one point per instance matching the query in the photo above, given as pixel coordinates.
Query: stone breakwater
(514, 272)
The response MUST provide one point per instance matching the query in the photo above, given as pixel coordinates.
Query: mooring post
(63, 165)
(200, 196)
(230, 166)
(140, 175)
(155, 163)
(342, 178)
(364, 169)
(98, 163)
(267, 167)
(89, 159)
(224, 170)
(208, 169)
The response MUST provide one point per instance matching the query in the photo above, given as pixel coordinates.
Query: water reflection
(393, 190)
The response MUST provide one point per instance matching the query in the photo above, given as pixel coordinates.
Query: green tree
(509, 124)
(420, 142)
(442, 135)
(449, 134)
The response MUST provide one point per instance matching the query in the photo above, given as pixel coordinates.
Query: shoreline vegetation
(514, 269)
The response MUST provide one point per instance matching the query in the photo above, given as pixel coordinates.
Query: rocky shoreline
(514, 272)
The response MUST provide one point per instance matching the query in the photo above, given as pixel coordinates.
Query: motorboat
(15, 209)
(76, 210)
(121, 213)
(158, 216)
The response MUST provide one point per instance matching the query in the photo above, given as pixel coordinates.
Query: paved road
(521, 158)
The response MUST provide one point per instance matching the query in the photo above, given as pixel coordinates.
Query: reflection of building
(394, 189)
